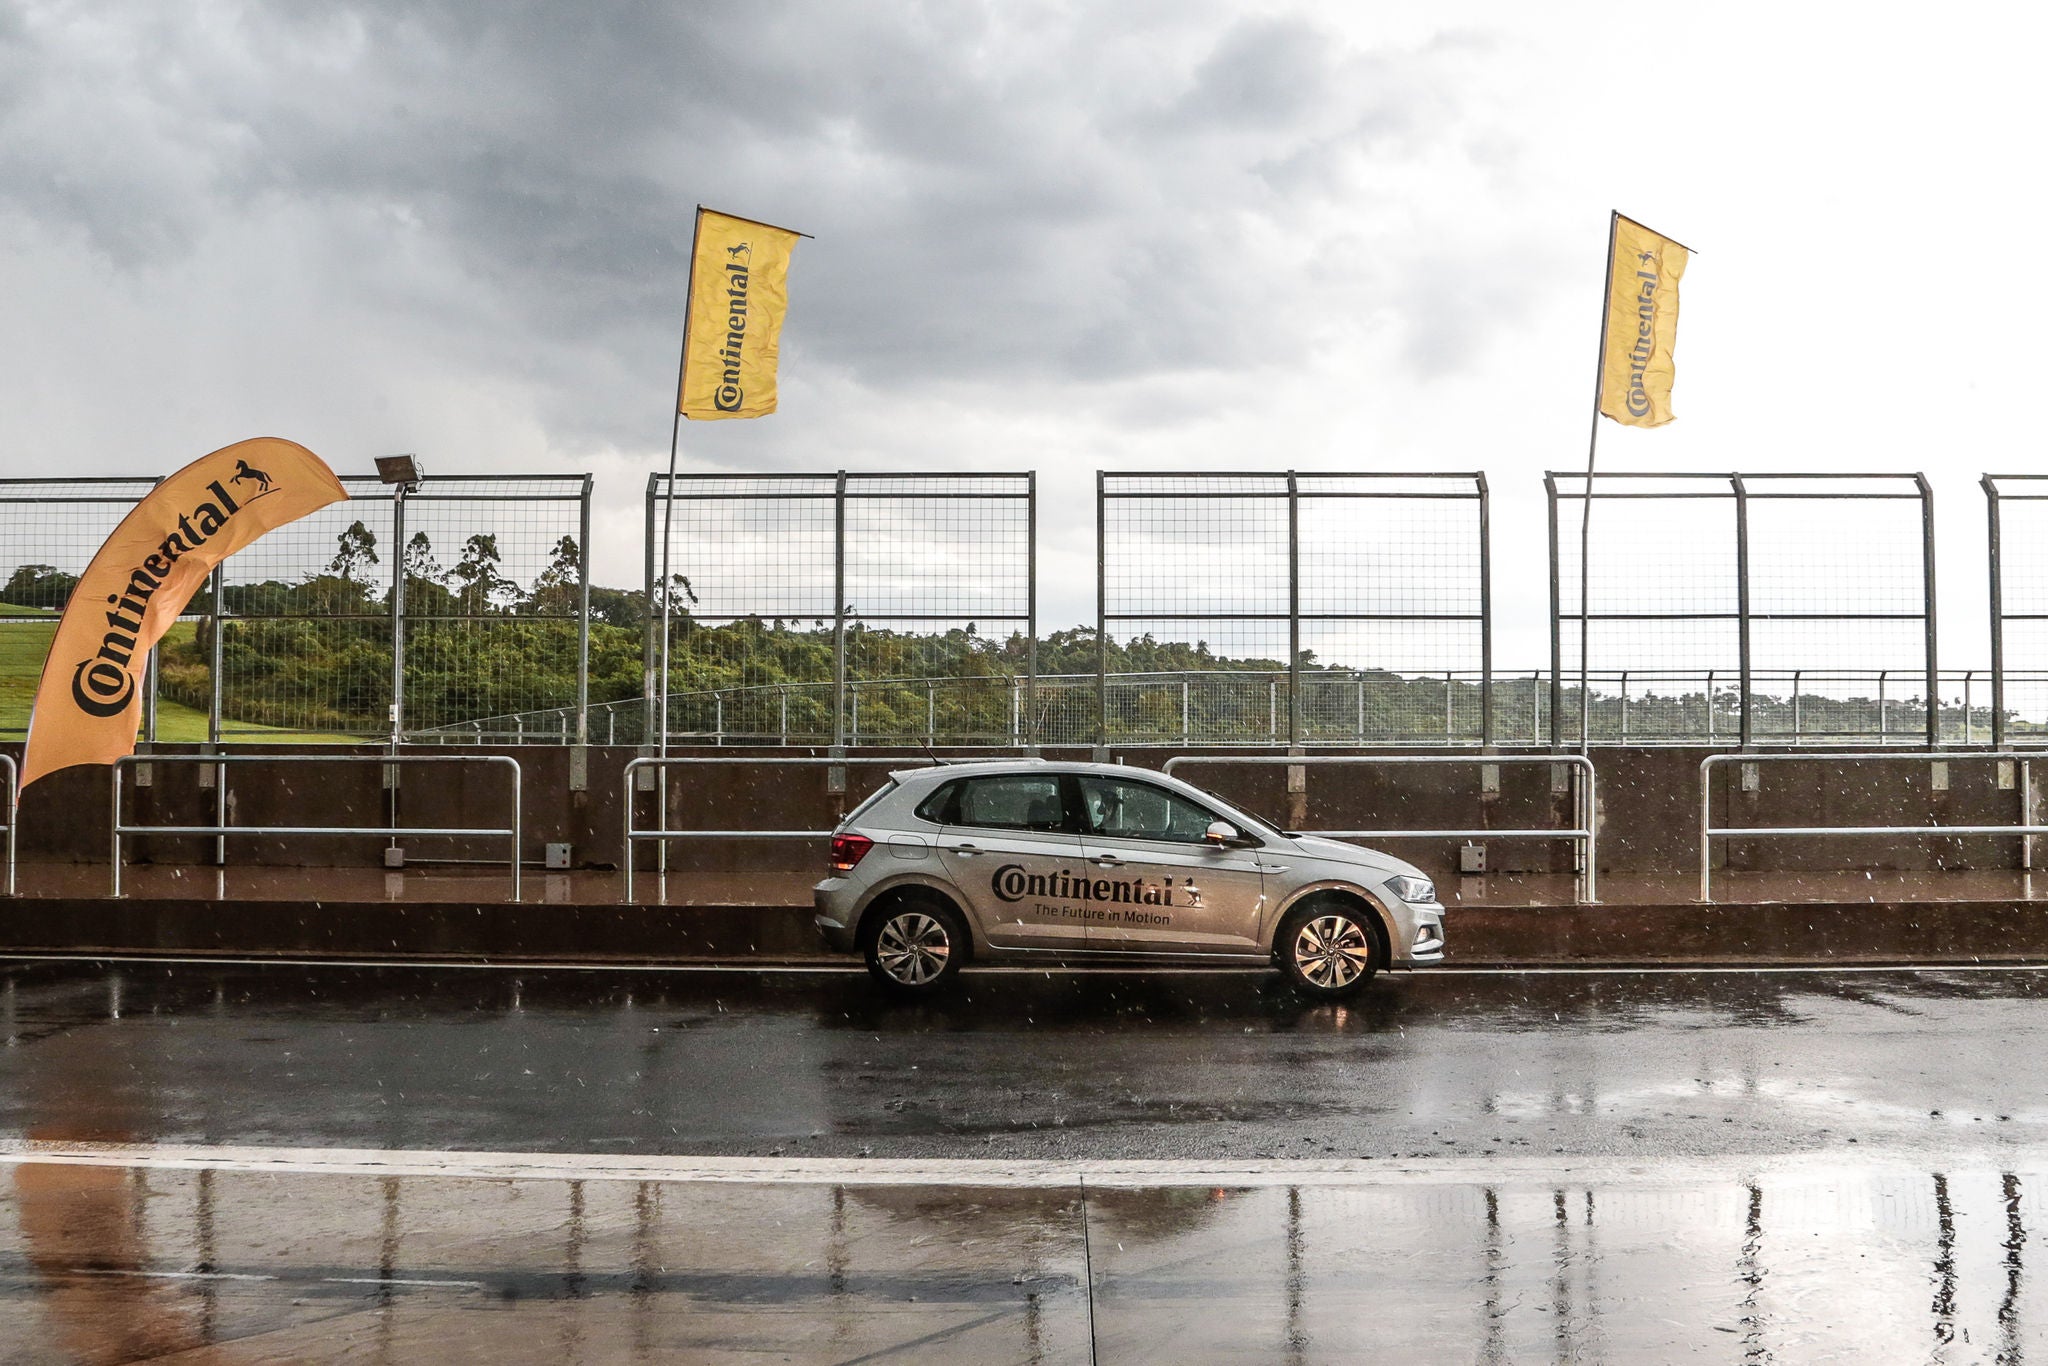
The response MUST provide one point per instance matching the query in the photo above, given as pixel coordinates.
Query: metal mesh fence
(49, 531)
(844, 608)
(2018, 508)
(1745, 608)
(293, 640)
(1293, 608)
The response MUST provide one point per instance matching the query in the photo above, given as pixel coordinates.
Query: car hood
(1356, 856)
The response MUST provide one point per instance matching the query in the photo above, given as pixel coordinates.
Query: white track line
(986, 1172)
(852, 970)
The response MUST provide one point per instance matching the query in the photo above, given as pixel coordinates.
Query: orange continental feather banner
(90, 699)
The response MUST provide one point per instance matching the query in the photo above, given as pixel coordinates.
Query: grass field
(25, 635)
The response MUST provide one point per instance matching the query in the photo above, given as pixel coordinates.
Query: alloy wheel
(913, 948)
(1332, 951)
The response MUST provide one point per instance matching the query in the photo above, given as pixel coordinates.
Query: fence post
(1485, 617)
(1997, 619)
(839, 612)
(1795, 706)
(1450, 711)
(1743, 723)
(1186, 716)
(1556, 620)
(1359, 681)
(1927, 594)
(1969, 736)
(1293, 609)
(1710, 706)
(397, 621)
(583, 620)
(213, 731)
(1101, 617)
(1029, 732)
(213, 706)
(1624, 706)
(649, 649)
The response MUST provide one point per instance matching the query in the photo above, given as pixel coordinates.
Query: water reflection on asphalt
(1809, 1262)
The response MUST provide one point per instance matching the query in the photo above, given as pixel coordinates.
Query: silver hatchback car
(1023, 858)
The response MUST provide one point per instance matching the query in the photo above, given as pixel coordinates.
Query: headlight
(1412, 889)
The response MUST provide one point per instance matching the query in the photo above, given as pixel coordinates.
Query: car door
(1159, 884)
(1008, 846)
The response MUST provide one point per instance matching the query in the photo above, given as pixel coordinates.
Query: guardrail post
(13, 815)
(114, 826)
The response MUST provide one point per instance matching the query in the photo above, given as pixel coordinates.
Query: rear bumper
(831, 900)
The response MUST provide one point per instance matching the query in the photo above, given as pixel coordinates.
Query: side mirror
(1221, 834)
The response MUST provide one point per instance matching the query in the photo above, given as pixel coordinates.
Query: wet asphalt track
(1740, 1167)
(1016, 1065)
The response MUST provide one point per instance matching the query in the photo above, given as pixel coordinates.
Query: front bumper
(1426, 944)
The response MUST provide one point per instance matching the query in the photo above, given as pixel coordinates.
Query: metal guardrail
(1709, 832)
(220, 829)
(662, 832)
(1585, 833)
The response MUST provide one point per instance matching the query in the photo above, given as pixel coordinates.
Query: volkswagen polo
(1027, 859)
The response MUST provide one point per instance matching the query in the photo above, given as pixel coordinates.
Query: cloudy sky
(1061, 236)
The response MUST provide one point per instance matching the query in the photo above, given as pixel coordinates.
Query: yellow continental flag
(1642, 325)
(90, 698)
(739, 290)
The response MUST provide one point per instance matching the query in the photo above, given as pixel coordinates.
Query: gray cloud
(1036, 193)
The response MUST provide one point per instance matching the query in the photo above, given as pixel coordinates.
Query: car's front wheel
(915, 944)
(1327, 948)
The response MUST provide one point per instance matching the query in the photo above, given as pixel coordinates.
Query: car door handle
(1108, 861)
(967, 849)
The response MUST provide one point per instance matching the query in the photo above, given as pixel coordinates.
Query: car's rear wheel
(915, 944)
(1328, 948)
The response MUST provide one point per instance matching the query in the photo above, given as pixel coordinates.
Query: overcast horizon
(1059, 237)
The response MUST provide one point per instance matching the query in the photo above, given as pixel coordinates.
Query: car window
(1014, 801)
(1120, 809)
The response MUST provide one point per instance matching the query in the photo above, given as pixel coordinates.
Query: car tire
(1329, 948)
(915, 944)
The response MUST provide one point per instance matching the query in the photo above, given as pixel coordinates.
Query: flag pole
(668, 513)
(1586, 507)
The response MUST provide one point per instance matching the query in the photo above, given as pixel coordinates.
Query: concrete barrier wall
(1649, 809)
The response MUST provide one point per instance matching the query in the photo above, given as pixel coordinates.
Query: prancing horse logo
(244, 472)
(744, 248)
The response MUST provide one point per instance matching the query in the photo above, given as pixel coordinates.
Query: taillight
(848, 850)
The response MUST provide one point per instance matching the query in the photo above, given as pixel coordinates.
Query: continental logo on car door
(1011, 883)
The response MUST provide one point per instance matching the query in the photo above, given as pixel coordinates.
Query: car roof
(972, 767)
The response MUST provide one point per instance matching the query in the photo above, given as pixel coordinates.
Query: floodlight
(401, 469)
